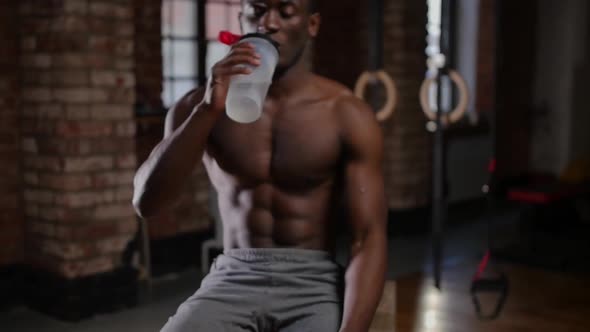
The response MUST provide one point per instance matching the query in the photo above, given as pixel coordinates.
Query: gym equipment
(375, 73)
(439, 120)
(496, 281)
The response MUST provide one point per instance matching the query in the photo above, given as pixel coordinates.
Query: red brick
(125, 129)
(125, 29)
(77, 112)
(65, 146)
(124, 47)
(114, 211)
(86, 164)
(65, 215)
(29, 43)
(41, 61)
(86, 267)
(52, 213)
(100, 61)
(70, 60)
(111, 112)
(62, 42)
(124, 64)
(127, 160)
(110, 179)
(29, 145)
(85, 199)
(68, 250)
(73, 182)
(113, 245)
(123, 96)
(75, 6)
(70, 23)
(37, 127)
(49, 163)
(50, 111)
(112, 78)
(72, 129)
(44, 229)
(111, 10)
(104, 44)
(37, 95)
(79, 95)
(127, 225)
(124, 194)
(31, 210)
(95, 231)
(31, 178)
(71, 78)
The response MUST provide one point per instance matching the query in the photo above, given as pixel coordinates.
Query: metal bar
(171, 49)
(375, 8)
(182, 78)
(180, 38)
(202, 42)
(439, 169)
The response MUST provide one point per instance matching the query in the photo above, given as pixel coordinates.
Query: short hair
(312, 6)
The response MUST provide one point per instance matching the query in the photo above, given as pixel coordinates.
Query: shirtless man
(281, 182)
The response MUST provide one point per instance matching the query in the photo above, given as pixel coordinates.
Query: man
(280, 181)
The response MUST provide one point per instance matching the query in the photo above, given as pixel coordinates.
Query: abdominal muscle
(269, 218)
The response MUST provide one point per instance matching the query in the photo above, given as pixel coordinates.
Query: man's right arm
(162, 176)
(160, 179)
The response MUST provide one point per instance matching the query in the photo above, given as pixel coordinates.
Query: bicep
(181, 110)
(365, 190)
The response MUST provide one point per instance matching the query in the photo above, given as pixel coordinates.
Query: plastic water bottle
(246, 94)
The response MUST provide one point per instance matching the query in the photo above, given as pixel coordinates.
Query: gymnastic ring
(391, 93)
(461, 107)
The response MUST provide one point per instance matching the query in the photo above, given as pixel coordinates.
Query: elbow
(143, 207)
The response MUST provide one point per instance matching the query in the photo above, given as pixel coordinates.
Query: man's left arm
(367, 212)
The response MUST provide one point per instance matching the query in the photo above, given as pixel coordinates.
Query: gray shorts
(287, 290)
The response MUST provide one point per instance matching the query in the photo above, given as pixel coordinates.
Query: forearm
(365, 279)
(160, 179)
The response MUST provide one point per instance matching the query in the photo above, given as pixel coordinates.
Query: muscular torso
(279, 179)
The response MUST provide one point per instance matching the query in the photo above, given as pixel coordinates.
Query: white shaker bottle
(246, 94)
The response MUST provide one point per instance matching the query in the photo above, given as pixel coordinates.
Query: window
(189, 42)
(221, 15)
(182, 48)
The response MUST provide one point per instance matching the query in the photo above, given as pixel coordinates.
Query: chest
(295, 147)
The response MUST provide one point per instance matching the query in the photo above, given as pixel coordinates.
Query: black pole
(439, 168)
(201, 43)
(375, 40)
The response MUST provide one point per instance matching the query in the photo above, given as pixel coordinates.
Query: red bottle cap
(228, 38)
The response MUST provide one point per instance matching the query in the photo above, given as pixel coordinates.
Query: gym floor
(539, 300)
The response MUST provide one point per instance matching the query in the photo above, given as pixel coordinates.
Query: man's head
(291, 23)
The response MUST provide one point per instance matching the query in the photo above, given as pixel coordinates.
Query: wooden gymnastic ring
(461, 107)
(391, 93)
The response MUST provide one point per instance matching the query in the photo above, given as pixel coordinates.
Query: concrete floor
(407, 255)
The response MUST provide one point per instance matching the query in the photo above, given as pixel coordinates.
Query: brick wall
(11, 216)
(148, 54)
(192, 213)
(78, 133)
(341, 53)
(407, 143)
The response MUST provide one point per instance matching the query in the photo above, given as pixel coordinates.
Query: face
(288, 22)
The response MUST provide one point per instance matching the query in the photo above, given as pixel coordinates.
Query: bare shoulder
(359, 128)
(330, 89)
(180, 111)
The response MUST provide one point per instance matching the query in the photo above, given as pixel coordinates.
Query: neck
(292, 79)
